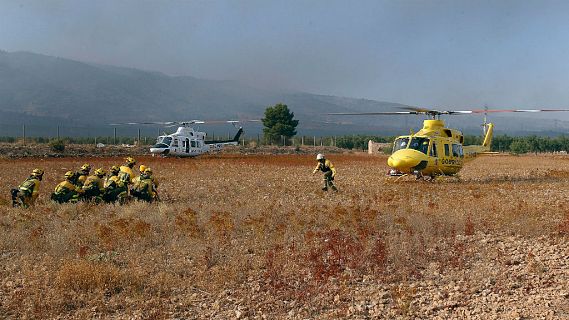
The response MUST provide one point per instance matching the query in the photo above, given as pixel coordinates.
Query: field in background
(254, 236)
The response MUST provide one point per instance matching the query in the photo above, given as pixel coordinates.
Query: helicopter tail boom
(489, 135)
(234, 141)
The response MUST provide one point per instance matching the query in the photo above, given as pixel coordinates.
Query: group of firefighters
(120, 186)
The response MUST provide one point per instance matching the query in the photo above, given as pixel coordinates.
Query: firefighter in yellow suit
(126, 177)
(144, 188)
(126, 174)
(67, 191)
(329, 172)
(28, 191)
(141, 170)
(112, 188)
(83, 174)
(94, 186)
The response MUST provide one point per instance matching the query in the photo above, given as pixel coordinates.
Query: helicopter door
(187, 145)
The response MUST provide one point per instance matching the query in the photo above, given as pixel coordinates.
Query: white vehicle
(187, 142)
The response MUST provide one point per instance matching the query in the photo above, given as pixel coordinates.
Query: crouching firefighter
(144, 188)
(67, 191)
(329, 172)
(94, 186)
(28, 191)
(113, 186)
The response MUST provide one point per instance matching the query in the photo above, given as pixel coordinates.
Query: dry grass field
(255, 237)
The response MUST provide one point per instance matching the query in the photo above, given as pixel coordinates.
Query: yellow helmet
(86, 167)
(130, 160)
(142, 168)
(148, 171)
(69, 174)
(37, 172)
(100, 172)
(115, 169)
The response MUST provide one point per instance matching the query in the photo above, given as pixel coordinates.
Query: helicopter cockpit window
(420, 144)
(457, 150)
(433, 152)
(163, 142)
(400, 143)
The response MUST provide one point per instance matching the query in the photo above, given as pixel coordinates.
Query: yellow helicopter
(436, 150)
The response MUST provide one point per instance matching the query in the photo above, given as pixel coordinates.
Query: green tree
(279, 121)
(519, 146)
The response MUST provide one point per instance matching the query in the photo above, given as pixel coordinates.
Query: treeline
(360, 142)
(500, 143)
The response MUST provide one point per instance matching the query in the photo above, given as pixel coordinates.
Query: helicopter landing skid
(395, 173)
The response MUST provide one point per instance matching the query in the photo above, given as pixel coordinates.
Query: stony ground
(252, 236)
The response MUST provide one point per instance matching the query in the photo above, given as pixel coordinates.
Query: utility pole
(115, 136)
(24, 134)
(138, 141)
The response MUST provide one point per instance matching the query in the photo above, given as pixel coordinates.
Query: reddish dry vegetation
(254, 237)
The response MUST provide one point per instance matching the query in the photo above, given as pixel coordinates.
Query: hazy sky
(428, 53)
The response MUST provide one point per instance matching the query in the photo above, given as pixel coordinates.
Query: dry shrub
(81, 276)
(332, 252)
(187, 223)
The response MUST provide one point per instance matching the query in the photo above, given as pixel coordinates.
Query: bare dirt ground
(253, 236)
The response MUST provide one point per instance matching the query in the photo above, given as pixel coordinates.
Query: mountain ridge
(40, 90)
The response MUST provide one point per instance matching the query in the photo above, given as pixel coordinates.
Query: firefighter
(94, 186)
(112, 188)
(329, 172)
(83, 174)
(28, 191)
(144, 189)
(67, 191)
(126, 174)
(141, 170)
(126, 177)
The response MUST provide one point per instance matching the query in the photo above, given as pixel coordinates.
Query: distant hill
(43, 92)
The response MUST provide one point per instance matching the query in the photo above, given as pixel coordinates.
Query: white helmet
(320, 156)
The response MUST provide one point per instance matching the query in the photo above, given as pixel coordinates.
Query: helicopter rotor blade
(145, 123)
(445, 112)
(371, 113)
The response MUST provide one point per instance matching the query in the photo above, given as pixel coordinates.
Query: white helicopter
(187, 142)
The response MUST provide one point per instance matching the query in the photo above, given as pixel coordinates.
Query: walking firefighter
(329, 172)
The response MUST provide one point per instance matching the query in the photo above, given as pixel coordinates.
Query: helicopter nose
(404, 160)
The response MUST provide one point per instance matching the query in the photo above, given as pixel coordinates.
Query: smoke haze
(460, 54)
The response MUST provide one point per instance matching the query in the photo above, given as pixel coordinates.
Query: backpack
(124, 177)
(28, 186)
